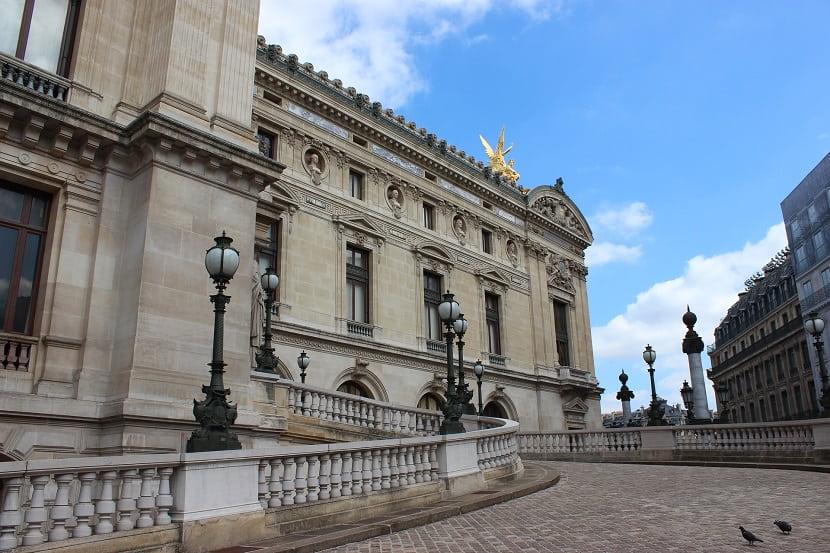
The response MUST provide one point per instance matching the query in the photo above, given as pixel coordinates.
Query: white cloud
(709, 285)
(601, 253)
(367, 43)
(624, 220)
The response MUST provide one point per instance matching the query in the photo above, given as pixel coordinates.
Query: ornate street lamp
(449, 311)
(478, 368)
(655, 413)
(815, 326)
(687, 393)
(266, 361)
(722, 391)
(214, 414)
(303, 361)
(462, 393)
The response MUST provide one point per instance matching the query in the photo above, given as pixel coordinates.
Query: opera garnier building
(130, 138)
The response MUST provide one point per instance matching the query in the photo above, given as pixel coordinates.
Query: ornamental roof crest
(498, 165)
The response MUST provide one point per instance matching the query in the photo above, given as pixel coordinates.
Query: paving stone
(609, 508)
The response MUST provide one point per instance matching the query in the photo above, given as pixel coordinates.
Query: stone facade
(761, 352)
(152, 144)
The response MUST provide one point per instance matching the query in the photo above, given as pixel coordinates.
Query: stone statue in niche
(257, 313)
(395, 199)
(315, 165)
(513, 253)
(459, 227)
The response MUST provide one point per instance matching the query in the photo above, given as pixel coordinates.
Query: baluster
(105, 506)
(262, 483)
(164, 499)
(410, 466)
(306, 399)
(433, 462)
(416, 456)
(378, 417)
(364, 415)
(412, 423)
(325, 407)
(346, 474)
(376, 470)
(146, 502)
(357, 473)
(315, 404)
(480, 453)
(61, 511)
(335, 409)
(384, 470)
(325, 477)
(292, 407)
(313, 478)
(83, 508)
(425, 463)
(301, 481)
(387, 419)
(126, 499)
(275, 483)
(367, 472)
(394, 421)
(393, 468)
(336, 475)
(288, 491)
(36, 514)
(11, 516)
(348, 414)
(402, 467)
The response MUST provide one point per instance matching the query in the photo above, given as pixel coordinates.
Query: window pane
(8, 242)
(11, 204)
(46, 33)
(12, 11)
(350, 300)
(37, 217)
(359, 303)
(23, 305)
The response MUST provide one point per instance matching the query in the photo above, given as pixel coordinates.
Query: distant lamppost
(687, 393)
(449, 311)
(815, 326)
(478, 368)
(214, 414)
(655, 413)
(266, 361)
(462, 393)
(302, 362)
(722, 392)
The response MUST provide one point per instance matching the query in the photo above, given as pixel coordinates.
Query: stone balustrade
(790, 442)
(328, 405)
(46, 501)
(38, 81)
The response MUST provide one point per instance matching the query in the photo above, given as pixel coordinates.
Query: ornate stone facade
(140, 164)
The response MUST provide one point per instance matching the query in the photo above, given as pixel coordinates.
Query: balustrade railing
(771, 437)
(15, 354)
(43, 83)
(360, 329)
(578, 441)
(329, 405)
(436, 346)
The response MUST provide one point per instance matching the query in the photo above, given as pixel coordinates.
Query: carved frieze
(560, 272)
(558, 211)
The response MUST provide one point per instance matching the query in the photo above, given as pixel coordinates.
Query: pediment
(281, 195)
(493, 275)
(434, 251)
(576, 405)
(361, 223)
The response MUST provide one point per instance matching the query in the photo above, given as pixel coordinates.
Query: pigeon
(784, 526)
(749, 536)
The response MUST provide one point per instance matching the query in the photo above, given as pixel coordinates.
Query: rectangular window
(486, 241)
(266, 143)
(763, 408)
(560, 324)
(23, 220)
(800, 255)
(825, 276)
(356, 185)
(773, 405)
(432, 297)
(791, 361)
(812, 213)
(491, 308)
(807, 286)
(357, 284)
(795, 228)
(799, 402)
(429, 216)
(818, 244)
(41, 32)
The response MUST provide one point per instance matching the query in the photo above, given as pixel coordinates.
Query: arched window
(493, 409)
(431, 402)
(355, 388)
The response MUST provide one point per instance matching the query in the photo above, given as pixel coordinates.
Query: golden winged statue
(496, 157)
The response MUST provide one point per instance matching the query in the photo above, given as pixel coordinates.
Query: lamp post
(449, 311)
(655, 415)
(478, 368)
(303, 361)
(214, 414)
(815, 326)
(687, 393)
(722, 391)
(266, 361)
(462, 392)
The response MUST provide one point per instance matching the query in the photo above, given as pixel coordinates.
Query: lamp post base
(451, 427)
(212, 441)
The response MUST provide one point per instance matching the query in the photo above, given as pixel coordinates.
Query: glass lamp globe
(649, 355)
(814, 324)
(222, 260)
(303, 360)
(460, 325)
(269, 280)
(448, 309)
(478, 368)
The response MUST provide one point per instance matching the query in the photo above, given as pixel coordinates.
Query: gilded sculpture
(497, 162)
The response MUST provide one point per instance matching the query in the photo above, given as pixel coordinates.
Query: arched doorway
(431, 402)
(493, 409)
(355, 388)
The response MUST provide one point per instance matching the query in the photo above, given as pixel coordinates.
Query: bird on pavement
(784, 526)
(749, 536)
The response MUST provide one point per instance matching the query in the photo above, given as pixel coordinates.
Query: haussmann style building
(130, 137)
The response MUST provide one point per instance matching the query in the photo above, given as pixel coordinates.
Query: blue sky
(677, 126)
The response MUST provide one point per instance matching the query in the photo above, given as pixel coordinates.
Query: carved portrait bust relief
(459, 227)
(395, 199)
(513, 253)
(315, 163)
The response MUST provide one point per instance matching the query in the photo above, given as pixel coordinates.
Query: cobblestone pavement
(620, 508)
